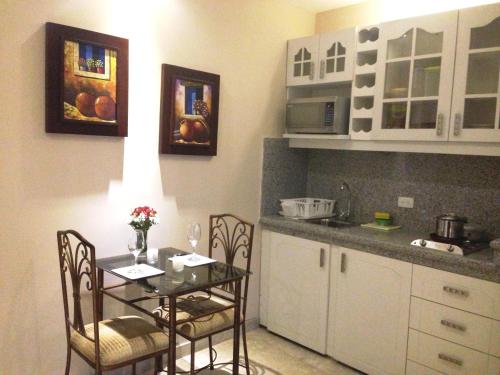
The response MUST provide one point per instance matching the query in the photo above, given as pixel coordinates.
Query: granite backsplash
(466, 185)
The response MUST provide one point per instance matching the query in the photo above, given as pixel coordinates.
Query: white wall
(89, 183)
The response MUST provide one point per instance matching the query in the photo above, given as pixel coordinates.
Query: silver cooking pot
(450, 226)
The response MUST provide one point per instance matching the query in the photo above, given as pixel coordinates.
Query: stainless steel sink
(331, 222)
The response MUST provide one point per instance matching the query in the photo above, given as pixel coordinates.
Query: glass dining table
(169, 286)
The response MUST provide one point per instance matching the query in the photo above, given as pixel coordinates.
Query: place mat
(200, 260)
(145, 271)
(380, 227)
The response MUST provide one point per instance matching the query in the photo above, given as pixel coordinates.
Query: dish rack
(307, 208)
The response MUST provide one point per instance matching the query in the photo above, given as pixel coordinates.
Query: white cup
(178, 263)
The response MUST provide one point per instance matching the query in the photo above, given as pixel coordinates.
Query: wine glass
(193, 236)
(136, 245)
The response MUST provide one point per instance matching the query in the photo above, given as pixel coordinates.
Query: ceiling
(316, 6)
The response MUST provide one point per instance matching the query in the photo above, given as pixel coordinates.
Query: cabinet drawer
(445, 356)
(413, 368)
(494, 366)
(454, 325)
(462, 292)
(495, 339)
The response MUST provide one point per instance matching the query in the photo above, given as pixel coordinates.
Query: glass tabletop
(174, 283)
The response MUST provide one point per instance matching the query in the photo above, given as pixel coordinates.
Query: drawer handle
(322, 69)
(450, 359)
(456, 326)
(460, 292)
(439, 125)
(342, 262)
(457, 125)
(322, 258)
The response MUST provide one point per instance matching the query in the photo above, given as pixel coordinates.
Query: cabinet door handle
(322, 258)
(342, 262)
(311, 73)
(457, 125)
(322, 69)
(439, 124)
(450, 359)
(449, 324)
(451, 290)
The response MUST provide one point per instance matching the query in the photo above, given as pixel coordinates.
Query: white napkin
(200, 260)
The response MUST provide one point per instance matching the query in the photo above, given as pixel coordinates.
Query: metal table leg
(171, 331)
(236, 335)
(100, 302)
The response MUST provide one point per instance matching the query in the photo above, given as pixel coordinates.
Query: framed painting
(86, 82)
(189, 111)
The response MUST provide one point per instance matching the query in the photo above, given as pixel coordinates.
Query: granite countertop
(394, 244)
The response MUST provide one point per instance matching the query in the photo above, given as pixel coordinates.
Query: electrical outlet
(405, 202)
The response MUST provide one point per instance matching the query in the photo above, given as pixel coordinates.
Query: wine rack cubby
(363, 88)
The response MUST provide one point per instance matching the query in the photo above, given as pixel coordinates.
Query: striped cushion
(194, 306)
(121, 339)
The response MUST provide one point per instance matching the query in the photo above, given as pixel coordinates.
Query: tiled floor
(271, 355)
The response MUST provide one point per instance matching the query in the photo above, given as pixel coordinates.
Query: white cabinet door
(302, 57)
(323, 58)
(370, 326)
(415, 78)
(298, 290)
(336, 56)
(265, 252)
(476, 93)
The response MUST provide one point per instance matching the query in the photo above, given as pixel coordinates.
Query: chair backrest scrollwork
(77, 263)
(235, 237)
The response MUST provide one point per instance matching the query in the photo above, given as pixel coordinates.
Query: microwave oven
(327, 115)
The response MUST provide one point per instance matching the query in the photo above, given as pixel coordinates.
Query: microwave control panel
(329, 112)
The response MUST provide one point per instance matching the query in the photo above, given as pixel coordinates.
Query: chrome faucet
(344, 214)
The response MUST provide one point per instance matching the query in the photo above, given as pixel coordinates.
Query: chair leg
(192, 357)
(245, 349)
(210, 348)
(159, 363)
(68, 361)
(133, 369)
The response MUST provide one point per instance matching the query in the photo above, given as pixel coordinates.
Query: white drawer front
(495, 339)
(494, 366)
(454, 325)
(465, 293)
(413, 368)
(445, 356)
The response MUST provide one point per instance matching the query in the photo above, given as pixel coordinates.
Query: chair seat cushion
(194, 306)
(120, 340)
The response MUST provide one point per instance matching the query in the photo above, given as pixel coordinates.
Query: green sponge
(383, 221)
(382, 215)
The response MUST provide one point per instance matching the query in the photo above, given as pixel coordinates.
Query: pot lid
(452, 217)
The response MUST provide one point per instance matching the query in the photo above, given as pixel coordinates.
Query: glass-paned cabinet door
(415, 78)
(336, 56)
(302, 58)
(476, 94)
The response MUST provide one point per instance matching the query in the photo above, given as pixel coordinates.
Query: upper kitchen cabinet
(415, 78)
(324, 58)
(476, 94)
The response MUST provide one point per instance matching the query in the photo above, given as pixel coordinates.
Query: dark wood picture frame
(112, 115)
(180, 132)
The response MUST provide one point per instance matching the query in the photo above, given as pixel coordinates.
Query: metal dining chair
(202, 316)
(111, 343)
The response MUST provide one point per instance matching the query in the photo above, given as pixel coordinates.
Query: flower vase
(145, 241)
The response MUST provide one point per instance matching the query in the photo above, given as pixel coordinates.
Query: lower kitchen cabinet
(297, 282)
(369, 311)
